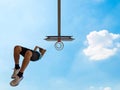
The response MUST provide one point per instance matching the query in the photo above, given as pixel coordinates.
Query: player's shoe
(16, 81)
(15, 73)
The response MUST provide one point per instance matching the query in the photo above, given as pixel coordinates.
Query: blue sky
(90, 62)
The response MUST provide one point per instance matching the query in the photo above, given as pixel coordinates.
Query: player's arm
(36, 47)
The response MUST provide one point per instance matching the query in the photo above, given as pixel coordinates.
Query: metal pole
(59, 18)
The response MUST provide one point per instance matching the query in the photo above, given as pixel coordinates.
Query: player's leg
(25, 63)
(26, 60)
(17, 50)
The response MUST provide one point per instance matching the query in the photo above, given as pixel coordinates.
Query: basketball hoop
(59, 45)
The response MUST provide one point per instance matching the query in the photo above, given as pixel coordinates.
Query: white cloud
(102, 45)
(99, 88)
(107, 88)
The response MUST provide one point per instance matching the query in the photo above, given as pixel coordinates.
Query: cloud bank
(107, 88)
(100, 88)
(101, 45)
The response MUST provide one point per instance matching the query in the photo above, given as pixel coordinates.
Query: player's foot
(15, 73)
(16, 81)
(42, 51)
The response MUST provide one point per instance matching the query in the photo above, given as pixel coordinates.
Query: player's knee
(28, 54)
(17, 48)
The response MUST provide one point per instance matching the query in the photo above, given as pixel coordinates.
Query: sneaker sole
(17, 83)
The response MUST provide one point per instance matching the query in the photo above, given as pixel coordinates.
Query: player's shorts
(35, 54)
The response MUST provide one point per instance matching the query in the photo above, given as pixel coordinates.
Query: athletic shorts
(35, 54)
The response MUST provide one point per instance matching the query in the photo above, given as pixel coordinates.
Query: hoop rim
(59, 47)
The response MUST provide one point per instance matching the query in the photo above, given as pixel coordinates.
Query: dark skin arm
(41, 50)
(37, 47)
